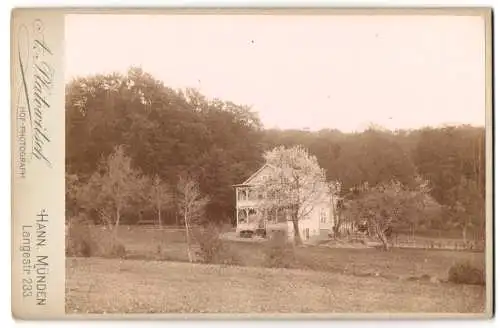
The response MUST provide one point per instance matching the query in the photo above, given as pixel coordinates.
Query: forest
(165, 134)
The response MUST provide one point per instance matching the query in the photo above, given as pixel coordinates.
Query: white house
(252, 218)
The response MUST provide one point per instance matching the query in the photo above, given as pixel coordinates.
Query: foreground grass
(133, 286)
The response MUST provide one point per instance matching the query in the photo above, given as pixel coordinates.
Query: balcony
(247, 196)
(247, 203)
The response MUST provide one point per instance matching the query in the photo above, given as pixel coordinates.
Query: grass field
(133, 286)
(154, 277)
(397, 263)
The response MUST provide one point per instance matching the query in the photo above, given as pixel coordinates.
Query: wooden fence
(156, 227)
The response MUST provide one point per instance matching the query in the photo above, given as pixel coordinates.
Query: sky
(301, 72)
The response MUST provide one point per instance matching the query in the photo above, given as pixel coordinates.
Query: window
(242, 194)
(281, 214)
(322, 216)
(270, 215)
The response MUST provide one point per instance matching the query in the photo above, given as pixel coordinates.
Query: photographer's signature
(33, 90)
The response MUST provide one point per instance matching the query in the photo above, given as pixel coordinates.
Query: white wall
(312, 223)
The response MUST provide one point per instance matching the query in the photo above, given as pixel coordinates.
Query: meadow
(137, 286)
(154, 276)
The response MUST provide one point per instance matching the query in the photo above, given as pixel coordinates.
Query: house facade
(254, 218)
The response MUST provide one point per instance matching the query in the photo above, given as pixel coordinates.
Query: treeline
(170, 133)
(451, 160)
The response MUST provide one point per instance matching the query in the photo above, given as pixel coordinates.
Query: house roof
(247, 181)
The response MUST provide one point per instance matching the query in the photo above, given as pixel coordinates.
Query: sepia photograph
(288, 163)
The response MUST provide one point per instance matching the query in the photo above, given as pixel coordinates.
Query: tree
(386, 204)
(335, 189)
(469, 209)
(114, 188)
(296, 184)
(446, 155)
(191, 206)
(72, 184)
(159, 196)
(372, 156)
(453, 160)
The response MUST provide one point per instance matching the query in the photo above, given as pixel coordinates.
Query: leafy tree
(469, 209)
(386, 204)
(160, 196)
(191, 207)
(114, 189)
(452, 159)
(372, 156)
(296, 184)
(446, 155)
(71, 194)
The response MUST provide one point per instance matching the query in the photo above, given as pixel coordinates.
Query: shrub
(105, 243)
(207, 242)
(211, 249)
(83, 239)
(78, 238)
(466, 273)
(279, 253)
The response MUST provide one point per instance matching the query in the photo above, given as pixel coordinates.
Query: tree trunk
(190, 257)
(158, 206)
(295, 207)
(385, 242)
(381, 235)
(296, 233)
(295, 221)
(464, 233)
(117, 223)
(336, 228)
